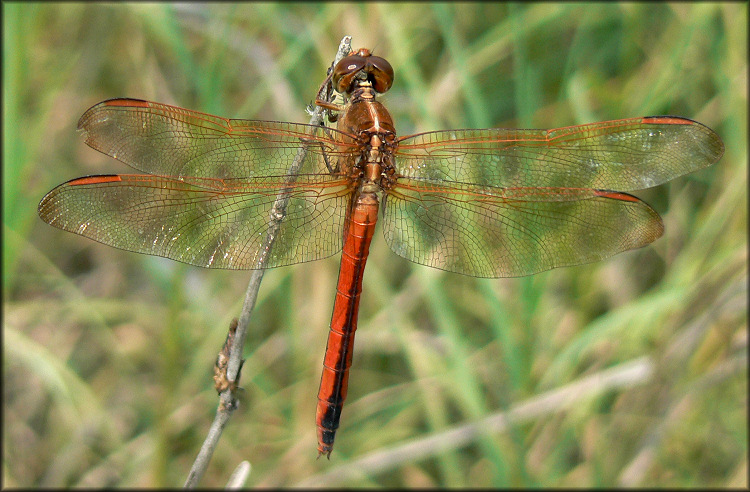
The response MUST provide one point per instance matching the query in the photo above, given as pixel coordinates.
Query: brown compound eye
(345, 71)
(381, 73)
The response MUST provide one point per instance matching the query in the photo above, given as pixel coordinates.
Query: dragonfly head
(359, 67)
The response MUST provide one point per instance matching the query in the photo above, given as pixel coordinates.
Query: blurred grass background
(108, 354)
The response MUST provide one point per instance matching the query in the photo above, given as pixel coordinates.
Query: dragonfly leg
(330, 167)
(325, 98)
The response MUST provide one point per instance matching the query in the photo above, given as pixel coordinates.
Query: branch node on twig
(221, 380)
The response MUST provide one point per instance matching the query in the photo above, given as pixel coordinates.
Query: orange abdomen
(333, 384)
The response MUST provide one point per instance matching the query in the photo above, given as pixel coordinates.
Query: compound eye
(345, 71)
(381, 73)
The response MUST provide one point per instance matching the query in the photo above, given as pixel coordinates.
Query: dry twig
(228, 374)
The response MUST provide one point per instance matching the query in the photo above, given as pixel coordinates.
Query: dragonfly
(486, 203)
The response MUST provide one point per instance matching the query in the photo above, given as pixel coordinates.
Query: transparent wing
(170, 141)
(623, 155)
(506, 203)
(211, 186)
(205, 222)
(514, 232)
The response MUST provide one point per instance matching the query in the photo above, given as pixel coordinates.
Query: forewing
(622, 155)
(170, 141)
